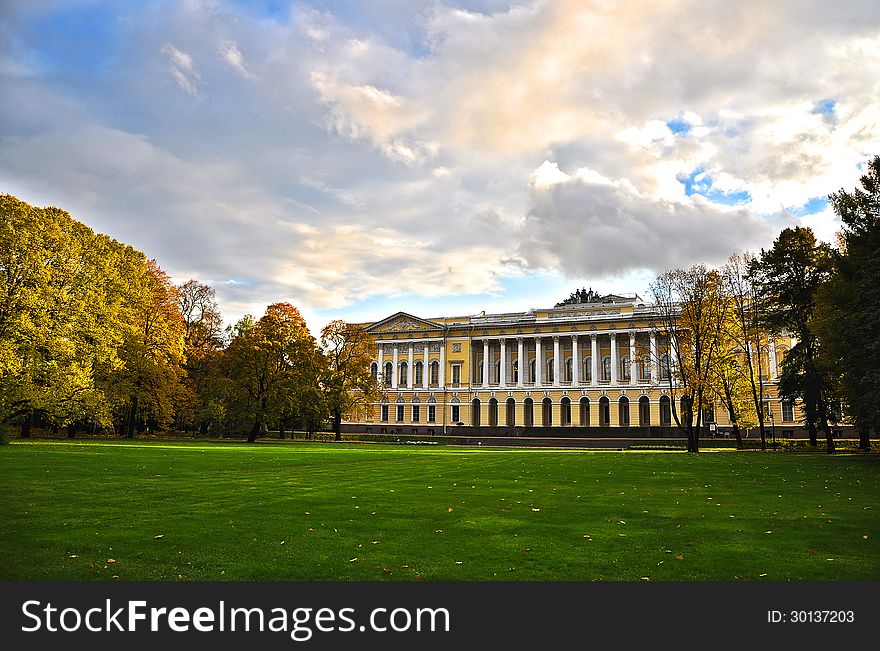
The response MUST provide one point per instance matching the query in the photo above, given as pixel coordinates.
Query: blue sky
(360, 158)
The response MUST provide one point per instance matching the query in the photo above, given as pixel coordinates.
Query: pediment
(403, 322)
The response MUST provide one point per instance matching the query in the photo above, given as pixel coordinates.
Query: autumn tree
(348, 384)
(690, 304)
(788, 277)
(269, 363)
(747, 332)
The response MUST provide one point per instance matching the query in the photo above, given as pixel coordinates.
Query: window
(568, 370)
(432, 413)
(456, 375)
(664, 367)
(588, 370)
(399, 413)
(386, 377)
(623, 413)
(511, 412)
(606, 369)
(496, 374)
(456, 413)
(624, 368)
(549, 374)
(644, 412)
(401, 379)
(565, 415)
(385, 413)
(416, 412)
(665, 411)
(532, 371)
(418, 374)
(787, 411)
(547, 412)
(493, 413)
(528, 412)
(514, 371)
(585, 412)
(374, 371)
(604, 412)
(475, 412)
(435, 373)
(478, 372)
(645, 368)
(709, 414)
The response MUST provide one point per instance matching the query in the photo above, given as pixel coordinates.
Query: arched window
(386, 376)
(644, 412)
(418, 371)
(588, 370)
(665, 411)
(645, 368)
(401, 378)
(787, 411)
(623, 373)
(585, 411)
(374, 371)
(709, 414)
(780, 356)
(604, 412)
(493, 412)
(606, 369)
(416, 409)
(565, 412)
(664, 367)
(623, 411)
(568, 370)
(475, 412)
(514, 371)
(549, 373)
(510, 420)
(529, 412)
(684, 408)
(547, 412)
(532, 371)
(435, 373)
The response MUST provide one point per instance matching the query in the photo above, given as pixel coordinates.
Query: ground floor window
(432, 413)
(416, 412)
(787, 411)
(385, 413)
(604, 412)
(456, 412)
(399, 413)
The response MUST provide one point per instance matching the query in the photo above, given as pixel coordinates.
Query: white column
(556, 365)
(502, 377)
(394, 358)
(539, 362)
(613, 358)
(520, 363)
(442, 377)
(575, 362)
(426, 374)
(771, 356)
(594, 362)
(410, 367)
(654, 359)
(380, 374)
(633, 359)
(485, 363)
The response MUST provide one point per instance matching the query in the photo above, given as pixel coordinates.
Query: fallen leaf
(111, 560)
(159, 537)
(679, 557)
(353, 559)
(534, 509)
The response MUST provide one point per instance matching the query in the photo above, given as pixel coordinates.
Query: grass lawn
(276, 511)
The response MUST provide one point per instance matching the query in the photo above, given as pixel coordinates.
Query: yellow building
(598, 368)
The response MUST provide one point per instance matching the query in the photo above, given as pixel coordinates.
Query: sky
(441, 158)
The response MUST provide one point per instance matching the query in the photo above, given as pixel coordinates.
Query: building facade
(596, 368)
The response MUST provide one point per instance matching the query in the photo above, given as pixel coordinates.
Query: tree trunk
(71, 431)
(337, 425)
(864, 439)
(132, 416)
(255, 430)
(281, 429)
(26, 426)
(811, 427)
(738, 435)
(829, 437)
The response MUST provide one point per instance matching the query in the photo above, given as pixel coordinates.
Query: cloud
(182, 69)
(586, 225)
(233, 56)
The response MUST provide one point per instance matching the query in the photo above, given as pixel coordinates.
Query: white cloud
(233, 56)
(182, 69)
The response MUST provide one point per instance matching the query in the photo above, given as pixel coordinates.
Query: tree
(268, 364)
(691, 307)
(850, 303)
(788, 278)
(348, 384)
(746, 330)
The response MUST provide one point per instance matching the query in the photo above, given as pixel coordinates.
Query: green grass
(215, 511)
